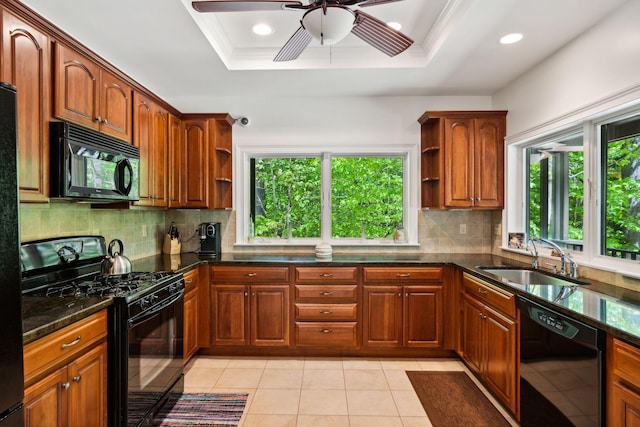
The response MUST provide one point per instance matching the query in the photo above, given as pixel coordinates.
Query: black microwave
(89, 166)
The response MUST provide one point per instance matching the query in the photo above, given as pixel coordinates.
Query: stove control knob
(144, 303)
(154, 298)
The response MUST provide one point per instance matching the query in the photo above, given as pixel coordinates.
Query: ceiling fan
(328, 21)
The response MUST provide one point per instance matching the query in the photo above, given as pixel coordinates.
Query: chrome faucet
(558, 251)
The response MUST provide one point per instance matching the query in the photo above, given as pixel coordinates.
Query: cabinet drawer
(250, 274)
(327, 293)
(625, 361)
(323, 334)
(326, 274)
(190, 280)
(490, 295)
(60, 346)
(409, 274)
(326, 311)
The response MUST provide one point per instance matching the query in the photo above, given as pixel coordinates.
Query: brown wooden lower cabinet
(623, 384)
(68, 386)
(190, 324)
(489, 340)
(250, 315)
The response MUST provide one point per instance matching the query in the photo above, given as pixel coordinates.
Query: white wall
(581, 78)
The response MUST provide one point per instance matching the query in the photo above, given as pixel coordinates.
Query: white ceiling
(185, 57)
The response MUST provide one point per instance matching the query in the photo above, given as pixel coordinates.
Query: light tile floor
(322, 392)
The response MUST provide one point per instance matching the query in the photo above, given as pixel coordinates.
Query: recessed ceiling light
(262, 29)
(511, 38)
(395, 25)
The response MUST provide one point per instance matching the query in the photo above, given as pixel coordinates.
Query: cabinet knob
(105, 121)
(326, 275)
(326, 311)
(326, 331)
(326, 293)
(399, 294)
(188, 281)
(99, 119)
(403, 274)
(65, 386)
(253, 294)
(77, 378)
(482, 291)
(250, 274)
(246, 293)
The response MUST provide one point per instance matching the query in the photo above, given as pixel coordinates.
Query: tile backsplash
(141, 230)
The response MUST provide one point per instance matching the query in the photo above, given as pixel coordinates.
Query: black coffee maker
(209, 233)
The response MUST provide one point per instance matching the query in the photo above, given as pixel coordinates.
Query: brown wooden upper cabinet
(90, 96)
(176, 168)
(462, 159)
(207, 162)
(26, 64)
(151, 134)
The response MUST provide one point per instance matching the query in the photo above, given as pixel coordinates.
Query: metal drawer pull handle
(250, 274)
(326, 293)
(72, 343)
(403, 274)
(188, 281)
(65, 386)
(326, 331)
(326, 311)
(482, 291)
(326, 275)
(77, 379)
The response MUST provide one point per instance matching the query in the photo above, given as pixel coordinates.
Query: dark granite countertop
(613, 309)
(43, 315)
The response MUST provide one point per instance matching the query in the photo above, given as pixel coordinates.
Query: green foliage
(623, 194)
(365, 190)
(287, 197)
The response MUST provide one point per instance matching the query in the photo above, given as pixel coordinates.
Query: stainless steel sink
(523, 276)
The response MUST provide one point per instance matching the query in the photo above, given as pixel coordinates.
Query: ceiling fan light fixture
(395, 25)
(330, 26)
(511, 38)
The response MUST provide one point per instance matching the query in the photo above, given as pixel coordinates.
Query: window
(365, 197)
(620, 171)
(580, 187)
(556, 191)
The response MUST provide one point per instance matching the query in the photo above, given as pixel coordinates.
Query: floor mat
(202, 410)
(451, 399)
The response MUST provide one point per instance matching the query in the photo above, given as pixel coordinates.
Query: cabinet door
(190, 324)
(382, 316)
(624, 407)
(459, 145)
(472, 338)
(45, 402)
(88, 390)
(269, 315)
(27, 65)
(142, 139)
(115, 106)
(489, 162)
(76, 88)
(196, 163)
(160, 143)
(230, 315)
(500, 357)
(423, 316)
(176, 169)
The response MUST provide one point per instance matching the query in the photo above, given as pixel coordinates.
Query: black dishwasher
(562, 369)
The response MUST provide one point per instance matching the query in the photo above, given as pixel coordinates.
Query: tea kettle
(116, 262)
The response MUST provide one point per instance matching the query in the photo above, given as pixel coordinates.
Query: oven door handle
(136, 320)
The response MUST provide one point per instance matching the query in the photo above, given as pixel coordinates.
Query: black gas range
(145, 320)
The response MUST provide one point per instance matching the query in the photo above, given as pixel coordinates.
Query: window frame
(244, 154)
(515, 213)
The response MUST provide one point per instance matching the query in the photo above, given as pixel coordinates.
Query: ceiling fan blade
(294, 46)
(365, 3)
(245, 5)
(380, 35)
